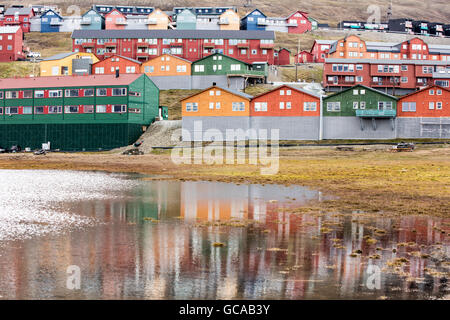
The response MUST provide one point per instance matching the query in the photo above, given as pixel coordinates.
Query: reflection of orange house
(167, 65)
(158, 20)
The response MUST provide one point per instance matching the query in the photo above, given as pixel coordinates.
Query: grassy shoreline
(371, 179)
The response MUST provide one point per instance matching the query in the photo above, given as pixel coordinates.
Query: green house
(314, 23)
(220, 64)
(96, 112)
(186, 20)
(360, 101)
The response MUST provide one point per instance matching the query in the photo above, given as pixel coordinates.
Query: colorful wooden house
(186, 20)
(15, 16)
(359, 112)
(158, 20)
(425, 113)
(95, 112)
(67, 64)
(92, 20)
(51, 22)
(117, 64)
(208, 114)
(11, 43)
(292, 111)
(115, 20)
(166, 65)
(229, 20)
(254, 20)
(283, 57)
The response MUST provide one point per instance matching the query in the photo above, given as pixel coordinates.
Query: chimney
(117, 73)
(214, 84)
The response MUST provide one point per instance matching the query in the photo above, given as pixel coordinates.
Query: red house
(298, 22)
(116, 62)
(192, 45)
(11, 43)
(115, 20)
(18, 17)
(432, 101)
(282, 57)
(304, 57)
(320, 50)
(285, 101)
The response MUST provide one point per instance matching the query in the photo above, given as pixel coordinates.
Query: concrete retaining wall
(290, 128)
(437, 128)
(350, 128)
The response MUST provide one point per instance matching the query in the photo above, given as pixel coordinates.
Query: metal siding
(347, 127)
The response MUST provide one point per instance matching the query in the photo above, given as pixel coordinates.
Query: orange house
(167, 65)
(116, 62)
(216, 101)
(115, 20)
(285, 101)
(349, 47)
(433, 101)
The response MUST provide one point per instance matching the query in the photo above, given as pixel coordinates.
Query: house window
(218, 93)
(254, 51)
(334, 106)
(71, 109)
(439, 92)
(217, 105)
(51, 94)
(38, 110)
(281, 92)
(238, 106)
(359, 79)
(116, 92)
(362, 105)
(431, 92)
(27, 110)
(355, 104)
(88, 109)
(55, 109)
(12, 94)
(281, 105)
(310, 106)
(404, 80)
(27, 94)
(359, 67)
(288, 92)
(288, 105)
(11, 110)
(99, 70)
(72, 93)
(1, 94)
(199, 68)
(100, 109)
(260, 106)
(355, 92)
(88, 92)
(438, 105)
(211, 105)
(119, 108)
(191, 106)
(431, 105)
(404, 68)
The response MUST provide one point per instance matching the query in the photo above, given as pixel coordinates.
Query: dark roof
(362, 86)
(174, 34)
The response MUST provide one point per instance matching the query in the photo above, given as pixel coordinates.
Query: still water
(147, 239)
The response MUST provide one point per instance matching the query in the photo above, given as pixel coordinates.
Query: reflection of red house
(298, 22)
(282, 57)
(304, 57)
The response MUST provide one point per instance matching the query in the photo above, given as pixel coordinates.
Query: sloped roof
(170, 55)
(69, 81)
(388, 61)
(220, 54)
(421, 90)
(9, 29)
(174, 34)
(20, 11)
(262, 13)
(122, 57)
(59, 56)
(235, 92)
(290, 87)
(362, 86)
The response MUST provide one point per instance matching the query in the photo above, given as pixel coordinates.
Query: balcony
(243, 45)
(376, 113)
(267, 45)
(262, 22)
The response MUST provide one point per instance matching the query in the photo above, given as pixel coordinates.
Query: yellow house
(229, 20)
(62, 64)
(157, 20)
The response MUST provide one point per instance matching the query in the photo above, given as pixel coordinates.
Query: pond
(126, 237)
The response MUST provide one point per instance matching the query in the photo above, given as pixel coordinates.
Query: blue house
(92, 20)
(255, 20)
(51, 21)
